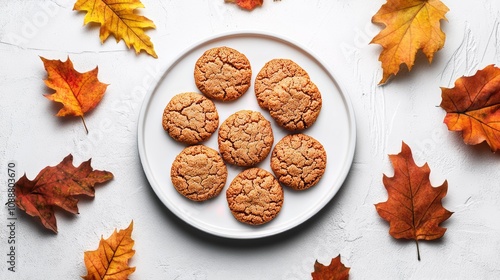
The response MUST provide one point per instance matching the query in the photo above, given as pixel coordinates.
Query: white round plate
(334, 128)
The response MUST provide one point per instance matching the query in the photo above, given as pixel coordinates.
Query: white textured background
(339, 31)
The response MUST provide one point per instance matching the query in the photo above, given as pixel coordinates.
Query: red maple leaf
(247, 4)
(414, 209)
(335, 271)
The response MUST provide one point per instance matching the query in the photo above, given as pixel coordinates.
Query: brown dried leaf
(57, 186)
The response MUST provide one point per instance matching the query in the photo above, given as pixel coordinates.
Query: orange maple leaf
(117, 17)
(410, 25)
(247, 4)
(473, 107)
(78, 92)
(335, 271)
(57, 186)
(414, 209)
(110, 260)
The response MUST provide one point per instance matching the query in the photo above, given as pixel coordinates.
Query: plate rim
(268, 35)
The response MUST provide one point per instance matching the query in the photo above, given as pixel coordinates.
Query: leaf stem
(418, 250)
(84, 124)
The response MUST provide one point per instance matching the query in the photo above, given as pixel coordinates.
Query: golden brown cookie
(198, 173)
(298, 161)
(273, 72)
(245, 138)
(295, 103)
(254, 196)
(223, 73)
(190, 118)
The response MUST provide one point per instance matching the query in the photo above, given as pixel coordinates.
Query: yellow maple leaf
(410, 25)
(117, 17)
(110, 260)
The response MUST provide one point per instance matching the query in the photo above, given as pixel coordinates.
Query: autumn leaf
(110, 260)
(473, 107)
(117, 17)
(410, 25)
(414, 208)
(335, 271)
(57, 186)
(78, 92)
(247, 4)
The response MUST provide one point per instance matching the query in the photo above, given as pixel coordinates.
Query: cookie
(295, 103)
(254, 196)
(298, 161)
(245, 138)
(223, 73)
(273, 72)
(198, 173)
(190, 118)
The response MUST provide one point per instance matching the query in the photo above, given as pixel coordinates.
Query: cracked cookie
(273, 72)
(254, 196)
(223, 73)
(190, 118)
(295, 103)
(198, 173)
(298, 161)
(245, 138)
